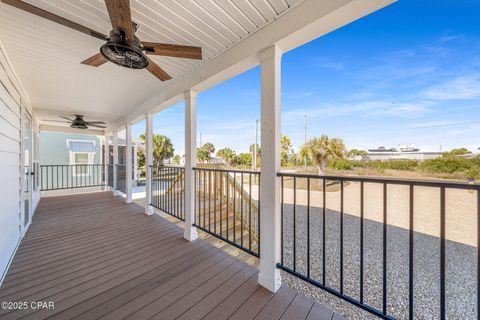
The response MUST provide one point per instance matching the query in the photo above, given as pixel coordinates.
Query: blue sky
(409, 73)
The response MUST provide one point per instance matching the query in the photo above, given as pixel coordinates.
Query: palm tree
(320, 150)
(162, 148)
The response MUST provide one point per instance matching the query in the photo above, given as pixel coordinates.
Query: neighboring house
(82, 153)
(69, 149)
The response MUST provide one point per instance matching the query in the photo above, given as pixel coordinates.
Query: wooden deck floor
(96, 257)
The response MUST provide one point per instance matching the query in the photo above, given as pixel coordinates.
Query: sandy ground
(461, 224)
(461, 208)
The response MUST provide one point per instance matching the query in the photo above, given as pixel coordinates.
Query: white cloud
(437, 124)
(362, 109)
(460, 88)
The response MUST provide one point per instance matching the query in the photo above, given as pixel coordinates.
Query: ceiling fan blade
(95, 122)
(58, 121)
(95, 61)
(172, 50)
(66, 118)
(53, 17)
(121, 17)
(96, 126)
(157, 71)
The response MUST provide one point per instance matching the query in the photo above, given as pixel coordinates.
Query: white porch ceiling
(47, 56)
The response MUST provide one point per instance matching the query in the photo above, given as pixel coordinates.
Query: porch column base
(272, 281)
(149, 210)
(116, 193)
(128, 200)
(190, 234)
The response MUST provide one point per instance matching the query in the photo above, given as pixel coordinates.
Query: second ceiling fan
(122, 46)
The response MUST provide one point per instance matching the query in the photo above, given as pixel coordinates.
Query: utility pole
(254, 162)
(305, 157)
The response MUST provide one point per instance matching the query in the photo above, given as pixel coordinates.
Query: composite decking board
(103, 238)
(319, 312)
(225, 307)
(299, 308)
(276, 306)
(82, 269)
(250, 308)
(225, 268)
(181, 305)
(203, 307)
(85, 243)
(57, 268)
(112, 300)
(146, 304)
(97, 257)
(60, 264)
(64, 228)
(78, 289)
(71, 255)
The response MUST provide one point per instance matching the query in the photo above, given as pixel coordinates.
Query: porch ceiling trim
(44, 127)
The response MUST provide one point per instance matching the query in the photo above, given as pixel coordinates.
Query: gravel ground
(460, 279)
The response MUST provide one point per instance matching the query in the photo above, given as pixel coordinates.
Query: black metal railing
(121, 177)
(168, 190)
(227, 206)
(110, 175)
(381, 243)
(56, 177)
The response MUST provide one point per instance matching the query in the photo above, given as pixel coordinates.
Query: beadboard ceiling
(47, 56)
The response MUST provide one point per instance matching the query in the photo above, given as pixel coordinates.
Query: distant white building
(404, 152)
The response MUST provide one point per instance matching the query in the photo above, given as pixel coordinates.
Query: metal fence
(168, 190)
(110, 175)
(227, 206)
(121, 177)
(338, 233)
(56, 177)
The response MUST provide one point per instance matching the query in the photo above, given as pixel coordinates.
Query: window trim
(90, 155)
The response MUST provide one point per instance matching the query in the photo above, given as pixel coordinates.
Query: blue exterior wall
(54, 149)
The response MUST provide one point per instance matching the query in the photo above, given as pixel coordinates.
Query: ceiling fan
(79, 123)
(122, 46)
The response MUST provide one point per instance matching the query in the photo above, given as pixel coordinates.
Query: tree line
(321, 152)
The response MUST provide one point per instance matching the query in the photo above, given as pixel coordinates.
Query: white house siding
(10, 164)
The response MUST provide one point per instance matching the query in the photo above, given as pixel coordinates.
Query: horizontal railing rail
(168, 190)
(56, 177)
(227, 206)
(336, 234)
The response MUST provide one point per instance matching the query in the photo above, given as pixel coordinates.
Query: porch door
(28, 169)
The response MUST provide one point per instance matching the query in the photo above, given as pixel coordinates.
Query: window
(82, 154)
(81, 160)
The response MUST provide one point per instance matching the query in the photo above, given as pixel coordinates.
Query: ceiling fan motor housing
(79, 122)
(124, 52)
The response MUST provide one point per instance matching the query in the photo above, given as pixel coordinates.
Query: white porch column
(270, 219)
(115, 163)
(190, 162)
(106, 157)
(149, 162)
(129, 164)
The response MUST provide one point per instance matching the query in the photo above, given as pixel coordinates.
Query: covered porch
(92, 256)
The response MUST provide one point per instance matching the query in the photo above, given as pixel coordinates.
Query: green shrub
(340, 164)
(449, 164)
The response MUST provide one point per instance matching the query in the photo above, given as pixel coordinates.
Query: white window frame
(91, 157)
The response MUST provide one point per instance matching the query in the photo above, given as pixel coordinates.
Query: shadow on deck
(96, 257)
